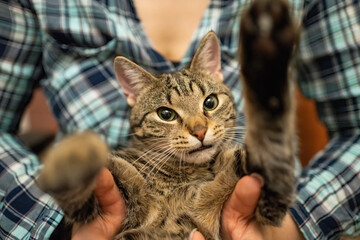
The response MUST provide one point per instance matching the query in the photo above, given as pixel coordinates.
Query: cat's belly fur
(176, 205)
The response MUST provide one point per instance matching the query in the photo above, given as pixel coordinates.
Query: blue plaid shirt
(67, 47)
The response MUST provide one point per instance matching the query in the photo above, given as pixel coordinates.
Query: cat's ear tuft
(131, 77)
(208, 56)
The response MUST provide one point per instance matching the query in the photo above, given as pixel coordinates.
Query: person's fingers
(245, 196)
(109, 196)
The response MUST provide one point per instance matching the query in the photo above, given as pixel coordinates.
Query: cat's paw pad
(267, 41)
(267, 30)
(73, 162)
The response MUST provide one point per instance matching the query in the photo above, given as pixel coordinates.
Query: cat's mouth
(200, 149)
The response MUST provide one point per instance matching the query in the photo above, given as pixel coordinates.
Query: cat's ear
(208, 56)
(131, 77)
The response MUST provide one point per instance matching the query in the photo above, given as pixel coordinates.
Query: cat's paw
(267, 39)
(73, 162)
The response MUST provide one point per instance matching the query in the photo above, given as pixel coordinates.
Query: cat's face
(187, 113)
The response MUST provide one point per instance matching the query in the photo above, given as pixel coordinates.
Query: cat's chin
(201, 155)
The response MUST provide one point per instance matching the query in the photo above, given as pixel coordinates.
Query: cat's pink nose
(199, 132)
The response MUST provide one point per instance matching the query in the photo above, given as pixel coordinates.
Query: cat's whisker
(234, 136)
(149, 162)
(182, 159)
(165, 160)
(157, 150)
(151, 140)
(235, 131)
(166, 156)
(239, 132)
(160, 146)
(236, 127)
(180, 155)
(235, 141)
(152, 160)
(127, 135)
(240, 116)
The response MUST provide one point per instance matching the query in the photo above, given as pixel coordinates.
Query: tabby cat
(183, 164)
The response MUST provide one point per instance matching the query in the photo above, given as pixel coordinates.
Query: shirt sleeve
(25, 211)
(327, 204)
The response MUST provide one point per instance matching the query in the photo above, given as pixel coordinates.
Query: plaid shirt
(67, 47)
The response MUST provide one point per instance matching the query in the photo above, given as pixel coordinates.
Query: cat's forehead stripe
(188, 81)
(182, 84)
(191, 80)
(198, 84)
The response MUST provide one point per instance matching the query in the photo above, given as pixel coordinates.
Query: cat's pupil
(210, 102)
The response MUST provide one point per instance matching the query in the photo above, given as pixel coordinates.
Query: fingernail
(192, 233)
(258, 178)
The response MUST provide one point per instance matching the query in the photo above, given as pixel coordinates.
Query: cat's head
(185, 113)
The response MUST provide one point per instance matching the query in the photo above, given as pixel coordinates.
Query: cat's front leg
(141, 205)
(69, 175)
(212, 195)
(268, 36)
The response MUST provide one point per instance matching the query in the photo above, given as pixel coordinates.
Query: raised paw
(267, 39)
(73, 162)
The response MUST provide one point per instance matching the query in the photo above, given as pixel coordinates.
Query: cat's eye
(210, 103)
(166, 114)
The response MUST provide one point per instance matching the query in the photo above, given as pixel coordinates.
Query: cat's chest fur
(173, 179)
(179, 181)
(176, 195)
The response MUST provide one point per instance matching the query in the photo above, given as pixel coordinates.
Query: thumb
(244, 199)
(196, 235)
(108, 196)
(113, 210)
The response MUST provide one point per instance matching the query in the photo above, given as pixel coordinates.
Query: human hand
(106, 226)
(237, 216)
(238, 222)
